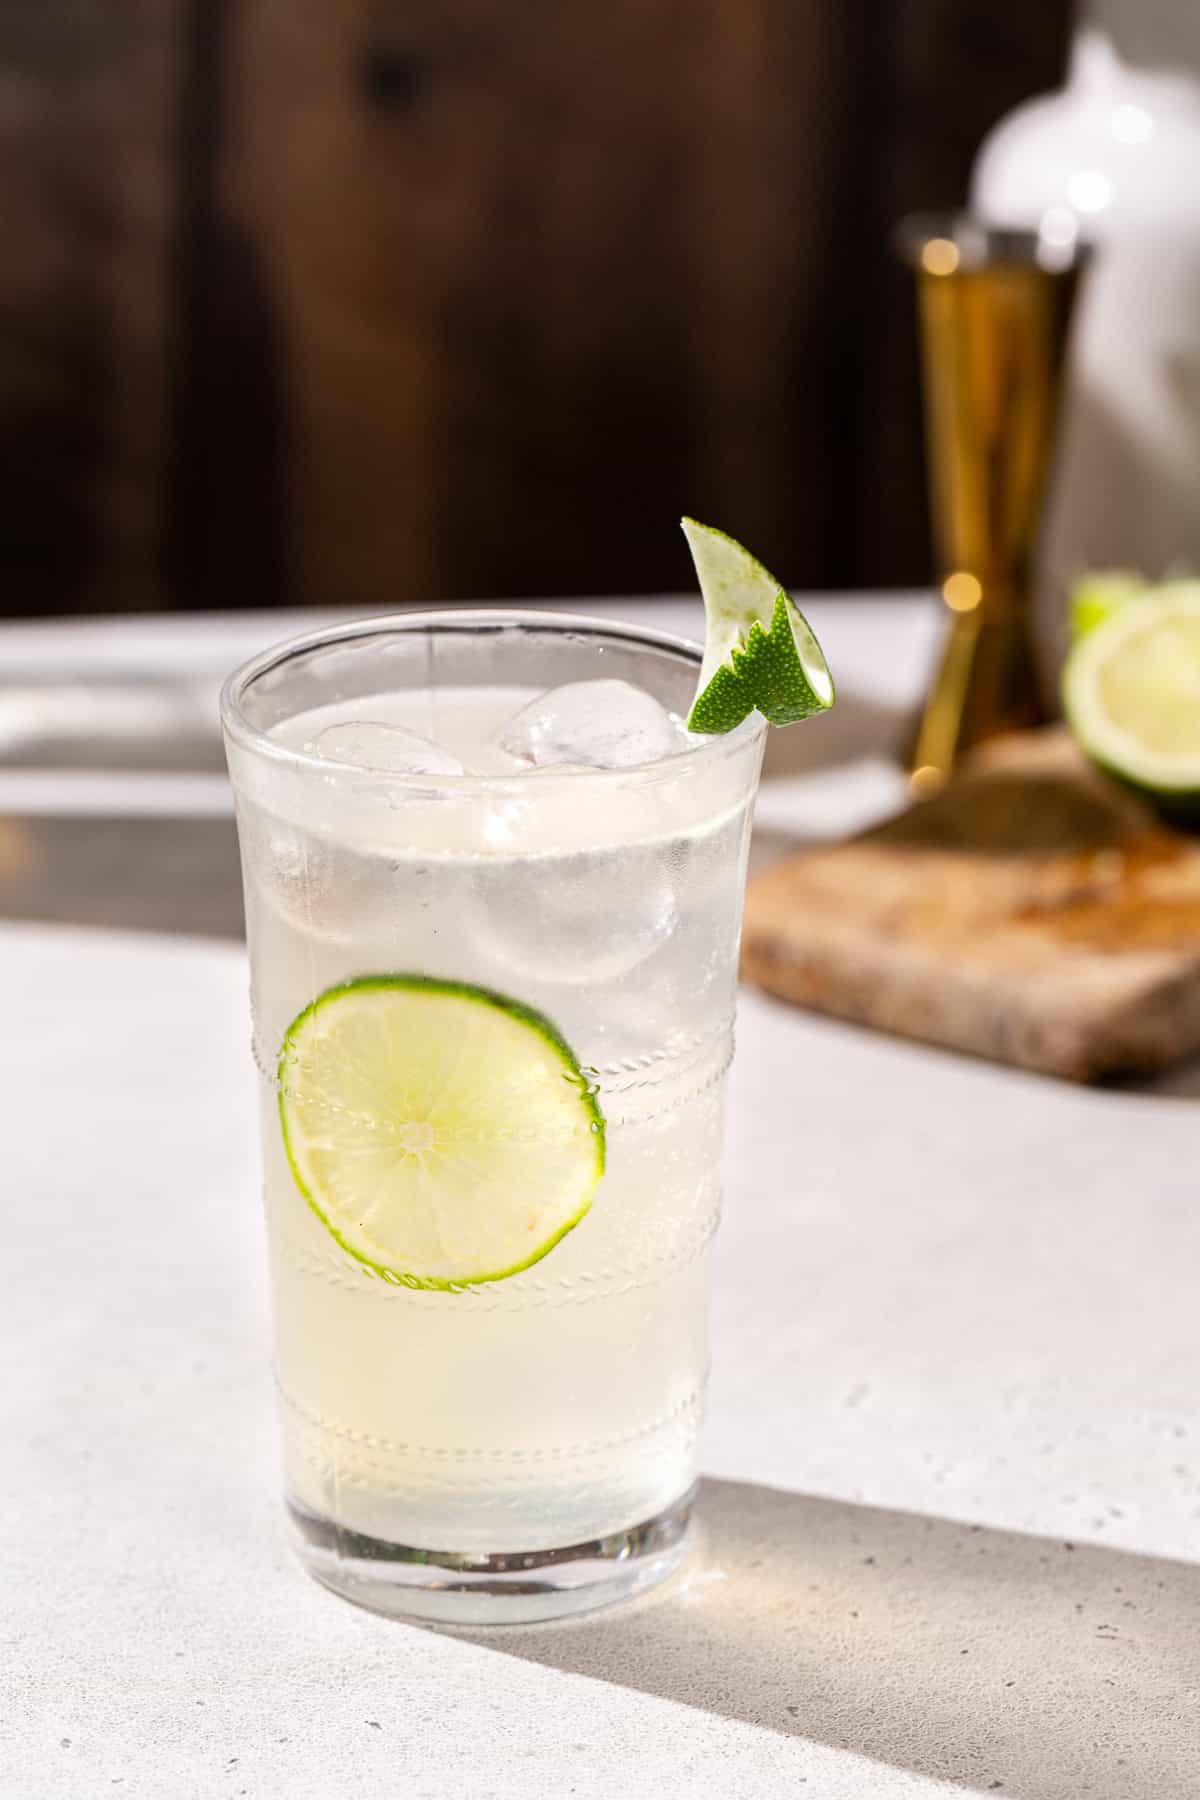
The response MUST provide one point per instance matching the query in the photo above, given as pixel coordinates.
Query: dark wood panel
(87, 100)
(383, 300)
(541, 275)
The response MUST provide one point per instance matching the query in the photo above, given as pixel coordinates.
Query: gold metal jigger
(995, 307)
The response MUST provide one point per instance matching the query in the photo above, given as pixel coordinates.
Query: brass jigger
(995, 307)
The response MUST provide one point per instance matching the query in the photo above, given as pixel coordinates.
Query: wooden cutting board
(1032, 912)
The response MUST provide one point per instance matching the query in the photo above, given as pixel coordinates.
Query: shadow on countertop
(1014, 1665)
(156, 873)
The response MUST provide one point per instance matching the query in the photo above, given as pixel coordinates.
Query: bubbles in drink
(595, 724)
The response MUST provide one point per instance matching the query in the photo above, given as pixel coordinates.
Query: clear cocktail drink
(492, 1017)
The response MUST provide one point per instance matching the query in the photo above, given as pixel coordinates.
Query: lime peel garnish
(759, 651)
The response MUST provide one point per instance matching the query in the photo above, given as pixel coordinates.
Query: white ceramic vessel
(1115, 158)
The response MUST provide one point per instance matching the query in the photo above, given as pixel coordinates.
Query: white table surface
(952, 1506)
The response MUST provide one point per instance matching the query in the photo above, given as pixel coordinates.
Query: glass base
(452, 1588)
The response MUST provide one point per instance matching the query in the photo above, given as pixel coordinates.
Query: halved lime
(1131, 693)
(444, 1134)
(759, 650)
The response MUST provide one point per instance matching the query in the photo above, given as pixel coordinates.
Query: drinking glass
(524, 1446)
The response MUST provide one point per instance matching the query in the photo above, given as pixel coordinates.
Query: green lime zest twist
(760, 652)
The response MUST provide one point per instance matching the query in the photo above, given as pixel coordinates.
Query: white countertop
(952, 1504)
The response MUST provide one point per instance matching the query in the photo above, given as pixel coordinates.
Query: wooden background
(367, 300)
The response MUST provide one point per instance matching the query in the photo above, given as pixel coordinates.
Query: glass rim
(1050, 246)
(247, 736)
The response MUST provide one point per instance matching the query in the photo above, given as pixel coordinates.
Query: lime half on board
(1131, 693)
(445, 1135)
(759, 651)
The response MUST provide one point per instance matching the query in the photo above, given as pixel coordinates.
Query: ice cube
(368, 744)
(594, 724)
(594, 916)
